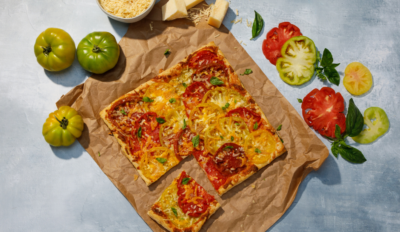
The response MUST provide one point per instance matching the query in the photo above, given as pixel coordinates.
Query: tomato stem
(46, 50)
(63, 122)
(96, 49)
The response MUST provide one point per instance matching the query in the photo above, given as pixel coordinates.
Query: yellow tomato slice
(259, 146)
(156, 162)
(174, 122)
(160, 94)
(182, 81)
(226, 130)
(203, 116)
(357, 78)
(227, 99)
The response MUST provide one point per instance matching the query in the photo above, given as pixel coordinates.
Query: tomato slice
(357, 78)
(260, 145)
(275, 39)
(192, 198)
(227, 99)
(215, 176)
(149, 128)
(296, 66)
(230, 159)
(323, 109)
(377, 122)
(183, 142)
(250, 117)
(201, 58)
(193, 96)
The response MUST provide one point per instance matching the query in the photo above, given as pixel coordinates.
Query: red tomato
(183, 145)
(149, 127)
(193, 95)
(192, 198)
(323, 109)
(202, 58)
(248, 116)
(205, 161)
(276, 38)
(230, 159)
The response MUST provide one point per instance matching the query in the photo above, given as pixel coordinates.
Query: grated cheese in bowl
(126, 10)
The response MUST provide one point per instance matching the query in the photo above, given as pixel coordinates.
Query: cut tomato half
(276, 38)
(357, 78)
(323, 109)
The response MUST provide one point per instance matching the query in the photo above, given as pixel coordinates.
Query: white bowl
(129, 20)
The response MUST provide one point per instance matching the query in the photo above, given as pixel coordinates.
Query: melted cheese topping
(221, 96)
(262, 140)
(151, 167)
(161, 93)
(184, 77)
(203, 116)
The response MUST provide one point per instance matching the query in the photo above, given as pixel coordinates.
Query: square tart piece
(183, 206)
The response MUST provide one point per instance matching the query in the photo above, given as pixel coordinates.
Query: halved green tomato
(357, 78)
(296, 66)
(227, 99)
(378, 123)
(225, 130)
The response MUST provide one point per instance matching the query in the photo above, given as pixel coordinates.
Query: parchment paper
(254, 205)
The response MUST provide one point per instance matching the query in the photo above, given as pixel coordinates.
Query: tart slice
(183, 206)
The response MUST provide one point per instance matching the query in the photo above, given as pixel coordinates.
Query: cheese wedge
(218, 13)
(174, 9)
(191, 3)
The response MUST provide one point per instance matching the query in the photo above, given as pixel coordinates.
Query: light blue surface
(62, 189)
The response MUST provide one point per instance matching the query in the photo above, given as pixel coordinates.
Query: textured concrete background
(62, 189)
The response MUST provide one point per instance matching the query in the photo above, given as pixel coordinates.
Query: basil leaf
(354, 120)
(139, 132)
(255, 127)
(184, 124)
(174, 211)
(335, 150)
(299, 100)
(247, 72)
(321, 76)
(334, 65)
(257, 150)
(216, 81)
(99, 154)
(172, 100)
(226, 106)
(161, 160)
(123, 112)
(196, 140)
(160, 120)
(147, 99)
(167, 52)
(327, 58)
(232, 138)
(350, 153)
(185, 180)
(257, 25)
(228, 147)
(221, 137)
(337, 132)
(237, 124)
(184, 85)
(279, 127)
(281, 140)
(333, 75)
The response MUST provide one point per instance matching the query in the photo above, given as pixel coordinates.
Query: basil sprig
(196, 141)
(216, 81)
(247, 72)
(161, 160)
(185, 180)
(257, 25)
(160, 120)
(327, 71)
(354, 126)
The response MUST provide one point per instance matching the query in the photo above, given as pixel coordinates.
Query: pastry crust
(162, 219)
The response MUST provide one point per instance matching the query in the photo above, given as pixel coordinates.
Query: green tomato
(376, 128)
(54, 49)
(296, 66)
(98, 52)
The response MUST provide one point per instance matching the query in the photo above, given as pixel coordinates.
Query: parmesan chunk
(174, 9)
(191, 3)
(218, 13)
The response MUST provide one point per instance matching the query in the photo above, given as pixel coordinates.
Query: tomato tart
(183, 206)
(197, 107)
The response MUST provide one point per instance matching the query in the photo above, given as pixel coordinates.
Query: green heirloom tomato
(62, 127)
(376, 128)
(296, 66)
(98, 52)
(54, 49)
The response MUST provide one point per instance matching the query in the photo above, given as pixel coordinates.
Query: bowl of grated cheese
(126, 11)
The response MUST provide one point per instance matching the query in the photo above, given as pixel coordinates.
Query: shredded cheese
(237, 12)
(197, 14)
(249, 23)
(217, 35)
(125, 8)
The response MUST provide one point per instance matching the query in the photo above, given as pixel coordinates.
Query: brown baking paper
(254, 205)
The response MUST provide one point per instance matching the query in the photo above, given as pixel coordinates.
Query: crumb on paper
(254, 202)
(253, 186)
(241, 41)
(235, 47)
(161, 70)
(151, 27)
(237, 12)
(197, 14)
(135, 177)
(217, 35)
(236, 21)
(244, 44)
